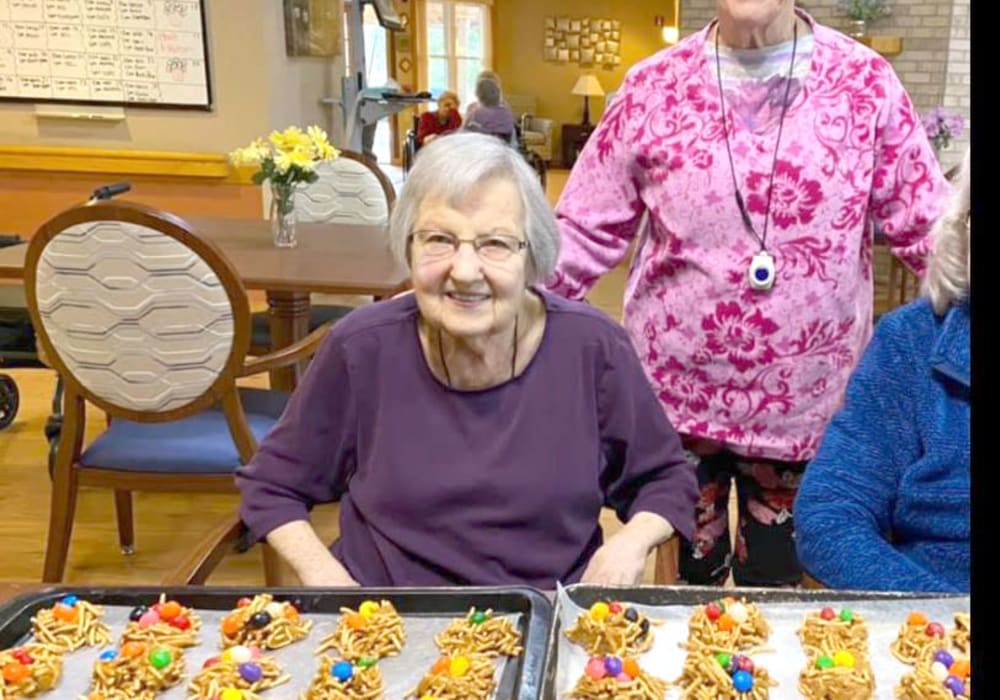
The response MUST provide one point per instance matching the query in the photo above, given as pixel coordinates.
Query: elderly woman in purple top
(472, 430)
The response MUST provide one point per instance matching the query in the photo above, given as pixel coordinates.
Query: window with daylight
(458, 46)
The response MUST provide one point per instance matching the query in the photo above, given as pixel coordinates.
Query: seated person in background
(492, 116)
(485, 75)
(471, 430)
(885, 502)
(442, 121)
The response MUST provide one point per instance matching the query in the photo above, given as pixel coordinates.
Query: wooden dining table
(332, 258)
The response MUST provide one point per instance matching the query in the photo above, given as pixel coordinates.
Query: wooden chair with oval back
(149, 323)
(351, 189)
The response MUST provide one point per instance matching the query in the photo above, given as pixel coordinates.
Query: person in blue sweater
(885, 503)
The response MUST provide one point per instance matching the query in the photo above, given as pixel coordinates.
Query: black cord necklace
(444, 365)
(761, 272)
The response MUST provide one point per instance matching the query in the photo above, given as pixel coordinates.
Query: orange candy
(231, 625)
(725, 622)
(130, 650)
(356, 621)
(631, 667)
(15, 672)
(170, 610)
(441, 665)
(916, 619)
(960, 668)
(291, 613)
(65, 613)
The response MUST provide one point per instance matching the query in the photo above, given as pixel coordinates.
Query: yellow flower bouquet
(286, 159)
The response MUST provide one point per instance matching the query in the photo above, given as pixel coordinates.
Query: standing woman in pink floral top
(764, 149)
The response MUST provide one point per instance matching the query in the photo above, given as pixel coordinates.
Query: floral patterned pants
(765, 544)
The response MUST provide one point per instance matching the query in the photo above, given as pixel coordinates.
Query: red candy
(210, 662)
(181, 623)
(744, 663)
(615, 608)
(22, 656)
(934, 629)
(712, 611)
(827, 613)
(243, 602)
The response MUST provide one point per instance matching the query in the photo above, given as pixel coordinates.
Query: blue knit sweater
(885, 503)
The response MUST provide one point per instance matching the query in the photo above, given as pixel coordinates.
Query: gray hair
(488, 92)
(949, 265)
(449, 167)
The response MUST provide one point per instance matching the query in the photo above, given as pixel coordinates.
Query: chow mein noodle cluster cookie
(916, 636)
(843, 629)
(937, 675)
(614, 678)
(373, 630)
(28, 670)
(480, 633)
(728, 624)
(713, 674)
(70, 624)
(136, 671)
(461, 677)
(238, 673)
(338, 679)
(836, 674)
(263, 622)
(166, 622)
(960, 635)
(611, 627)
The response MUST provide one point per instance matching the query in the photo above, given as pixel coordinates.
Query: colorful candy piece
(844, 658)
(935, 629)
(824, 662)
(724, 659)
(342, 671)
(70, 600)
(615, 607)
(231, 625)
(22, 656)
(939, 670)
(181, 623)
(712, 611)
(960, 668)
(846, 615)
(160, 658)
(955, 685)
(827, 613)
(478, 617)
(916, 619)
(459, 666)
(65, 613)
(595, 668)
(366, 662)
(243, 602)
(725, 622)
(149, 618)
(743, 681)
(15, 672)
(275, 609)
(739, 613)
(631, 667)
(356, 621)
(944, 658)
(231, 694)
(260, 620)
(368, 608)
(441, 665)
(631, 614)
(613, 665)
(108, 655)
(137, 613)
(623, 678)
(599, 611)
(744, 663)
(170, 609)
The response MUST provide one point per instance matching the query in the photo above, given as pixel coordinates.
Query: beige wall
(518, 40)
(255, 86)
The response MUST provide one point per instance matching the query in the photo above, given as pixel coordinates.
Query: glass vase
(857, 28)
(282, 215)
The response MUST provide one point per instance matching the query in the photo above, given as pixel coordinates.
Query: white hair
(948, 267)
(450, 166)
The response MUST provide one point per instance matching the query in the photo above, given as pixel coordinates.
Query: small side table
(574, 136)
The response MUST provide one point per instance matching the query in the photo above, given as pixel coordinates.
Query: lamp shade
(589, 86)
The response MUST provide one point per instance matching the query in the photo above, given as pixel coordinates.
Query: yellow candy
(368, 608)
(843, 658)
(459, 666)
(231, 694)
(227, 655)
(599, 611)
(427, 697)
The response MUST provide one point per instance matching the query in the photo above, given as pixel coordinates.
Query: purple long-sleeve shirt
(446, 487)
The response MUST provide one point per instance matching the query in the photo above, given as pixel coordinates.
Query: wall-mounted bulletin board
(143, 53)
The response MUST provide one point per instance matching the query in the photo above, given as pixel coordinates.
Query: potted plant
(861, 13)
(942, 127)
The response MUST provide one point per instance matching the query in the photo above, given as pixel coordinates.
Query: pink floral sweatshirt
(760, 372)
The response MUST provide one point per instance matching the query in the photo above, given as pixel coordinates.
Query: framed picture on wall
(313, 29)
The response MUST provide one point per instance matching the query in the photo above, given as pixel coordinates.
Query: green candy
(366, 662)
(824, 662)
(724, 659)
(160, 658)
(478, 618)
(846, 615)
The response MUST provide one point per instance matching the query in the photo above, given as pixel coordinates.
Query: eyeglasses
(491, 247)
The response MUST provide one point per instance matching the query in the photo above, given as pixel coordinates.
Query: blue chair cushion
(200, 444)
(260, 324)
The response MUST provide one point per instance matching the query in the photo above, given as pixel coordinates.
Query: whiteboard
(150, 53)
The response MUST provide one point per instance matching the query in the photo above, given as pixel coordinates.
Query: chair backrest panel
(351, 189)
(139, 319)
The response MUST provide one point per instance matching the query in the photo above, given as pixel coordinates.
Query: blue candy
(109, 655)
(70, 600)
(743, 681)
(342, 671)
(955, 685)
